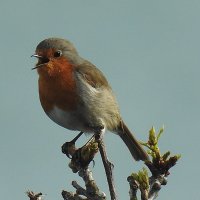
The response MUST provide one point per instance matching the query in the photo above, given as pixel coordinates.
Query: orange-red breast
(76, 95)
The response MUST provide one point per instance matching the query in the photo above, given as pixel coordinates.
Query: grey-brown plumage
(69, 76)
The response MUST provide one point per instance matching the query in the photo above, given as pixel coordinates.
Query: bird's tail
(133, 145)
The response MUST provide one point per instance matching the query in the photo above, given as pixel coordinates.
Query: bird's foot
(68, 148)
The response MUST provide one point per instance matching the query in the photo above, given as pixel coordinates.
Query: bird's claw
(69, 148)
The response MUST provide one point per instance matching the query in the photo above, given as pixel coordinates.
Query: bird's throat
(57, 86)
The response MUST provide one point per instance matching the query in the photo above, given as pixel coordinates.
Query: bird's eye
(58, 53)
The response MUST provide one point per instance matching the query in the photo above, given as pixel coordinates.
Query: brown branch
(91, 191)
(149, 187)
(134, 186)
(155, 186)
(71, 196)
(34, 196)
(81, 158)
(108, 166)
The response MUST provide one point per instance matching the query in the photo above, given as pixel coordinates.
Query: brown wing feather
(92, 75)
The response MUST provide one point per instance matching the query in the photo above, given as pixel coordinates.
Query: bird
(76, 95)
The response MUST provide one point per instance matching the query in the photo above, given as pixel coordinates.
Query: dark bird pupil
(57, 54)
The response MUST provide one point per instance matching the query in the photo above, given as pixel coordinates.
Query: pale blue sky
(148, 50)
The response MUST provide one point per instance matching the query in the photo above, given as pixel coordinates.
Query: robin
(76, 95)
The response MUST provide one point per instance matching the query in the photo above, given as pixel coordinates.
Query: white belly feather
(65, 119)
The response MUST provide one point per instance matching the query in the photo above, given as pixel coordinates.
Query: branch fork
(148, 186)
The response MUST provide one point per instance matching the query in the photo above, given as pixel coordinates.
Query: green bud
(166, 155)
(152, 137)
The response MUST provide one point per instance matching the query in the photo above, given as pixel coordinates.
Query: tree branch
(81, 158)
(108, 166)
(159, 167)
(34, 196)
(148, 186)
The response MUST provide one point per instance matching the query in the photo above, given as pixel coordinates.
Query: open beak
(42, 61)
(36, 56)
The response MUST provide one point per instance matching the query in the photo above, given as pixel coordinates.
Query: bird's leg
(92, 138)
(81, 157)
(68, 148)
(77, 137)
(96, 129)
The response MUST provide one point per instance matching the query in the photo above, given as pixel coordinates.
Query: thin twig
(134, 186)
(108, 166)
(155, 185)
(34, 196)
(71, 196)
